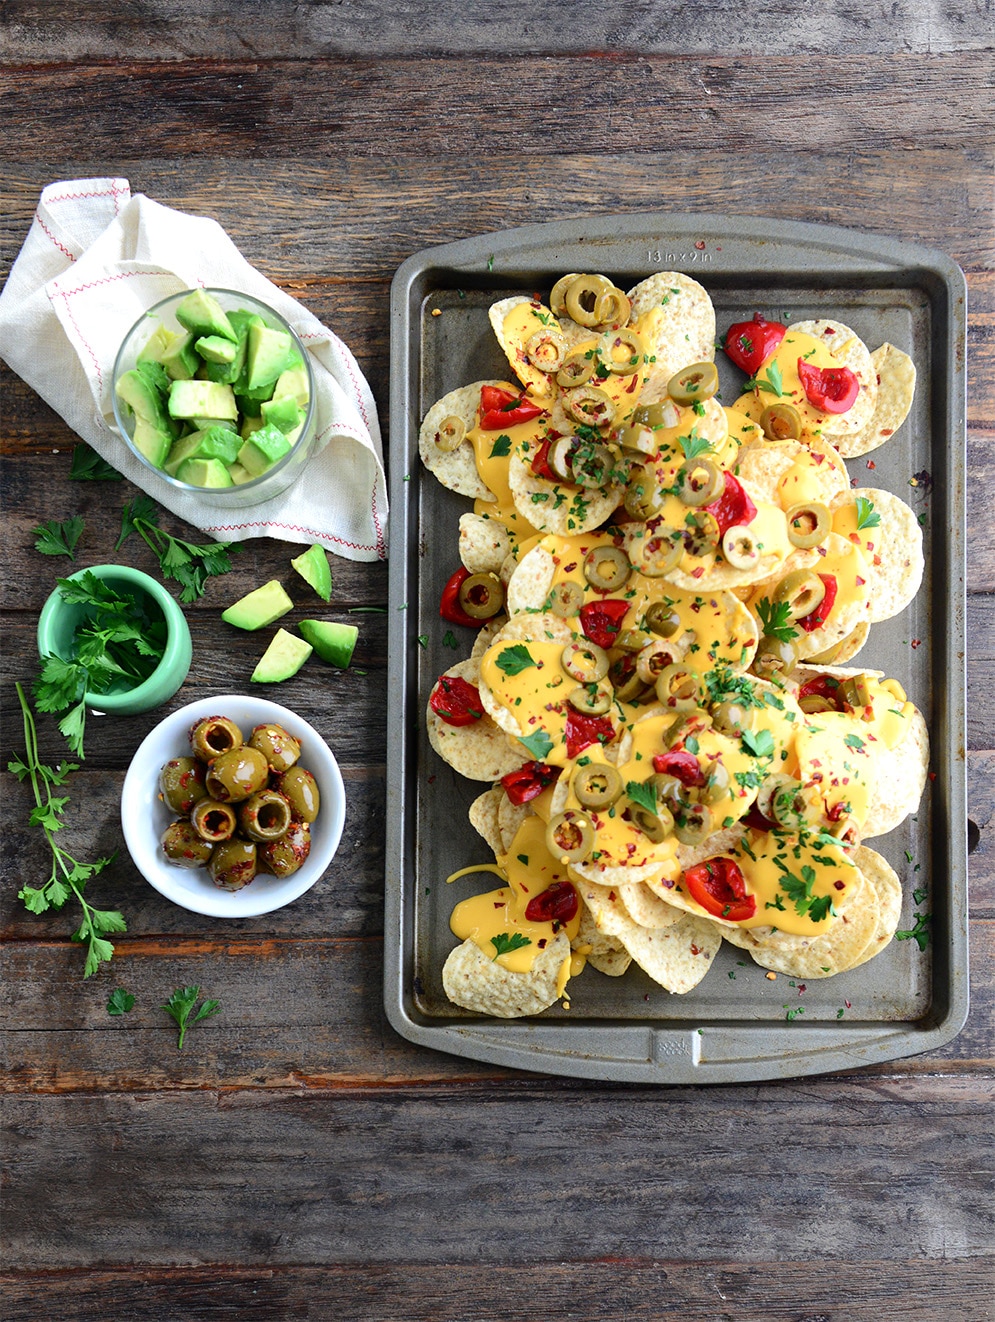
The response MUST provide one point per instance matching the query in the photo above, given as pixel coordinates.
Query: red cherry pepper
(733, 508)
(539, 462)
(449, 607)
(601, 620)
(821, 613)
(556, 904)
(829, 389)
(827, 687)
(682, 764)
(529, 781)
(750, 343)
(456, 700)
(500, 409)
(582, 731)
(719, 887)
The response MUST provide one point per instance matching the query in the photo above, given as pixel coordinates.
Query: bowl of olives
(233, 806)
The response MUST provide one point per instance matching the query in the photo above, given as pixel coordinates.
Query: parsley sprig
(87, 466)
(772, 382)
(867, 515)
(185, 563)
(68, 876)
(55, 538)
(775, 617)
(503, 943)
(180, 1007)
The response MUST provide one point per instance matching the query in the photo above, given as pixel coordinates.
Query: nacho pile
(667, 593)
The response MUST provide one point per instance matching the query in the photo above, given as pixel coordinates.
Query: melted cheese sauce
(784, 361)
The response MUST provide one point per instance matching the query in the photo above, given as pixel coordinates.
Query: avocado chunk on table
(332, 642)
(312, 565)
(260, 607)
(202, 313)
(282, 659)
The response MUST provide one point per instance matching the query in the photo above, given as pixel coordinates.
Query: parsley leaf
(502, 446)
(185, 563)
(760, 743)
(694, 445)
(503, 943)
(87, 466)
(181, 1004)
(773, 381)
(513, 660)
(539, 744)
(642, 793)
(867, 515)
(120, 1001)
(54, 538)
(775, 617)
(919, 934)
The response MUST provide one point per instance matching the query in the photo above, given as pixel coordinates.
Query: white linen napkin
(94, 260)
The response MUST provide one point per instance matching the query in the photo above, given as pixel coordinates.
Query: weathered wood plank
(618, 1290)
(296, 1012)
(182, 29)
(351, 1177)
(312, 107)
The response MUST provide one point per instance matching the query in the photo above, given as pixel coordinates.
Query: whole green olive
(300, 787)
(183, 846)
(213, 821)
(236, 774)
(181, 783)
(233, 864)
(214, 735)
(280, 749)
(284, 856)
(265, 815)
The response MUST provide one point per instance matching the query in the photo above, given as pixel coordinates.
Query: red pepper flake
(697, 573)
(860, 581)
(915, 643)
(932, 775)
(871, 463)
(700, 245)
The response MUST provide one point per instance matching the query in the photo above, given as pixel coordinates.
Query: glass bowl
(281, 474)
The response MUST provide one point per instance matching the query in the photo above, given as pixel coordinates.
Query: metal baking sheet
(737, 1025)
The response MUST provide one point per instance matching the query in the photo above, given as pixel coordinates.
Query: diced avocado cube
(202, 399)
(152, 441)
(233, 371)
(240, 474)
(216, 349)
(263, 448)
(313, 568)
(201, 313)
(204, 473)
(269, 353)
(283, 412)
(220, 443)
(332, 642)
(249, 407)
(260, 607)
(249, 425)
(157, 344)
(136, 391)
(157, 377)
(282, 659)
(180, 360)
(293, 382)
(187, 447)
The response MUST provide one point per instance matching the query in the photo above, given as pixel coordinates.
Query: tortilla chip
(677, 957)
(556, 506)
(896, 374)
(879, 873)
(763, 465)
(604, 953)
(895, 570)
(533, 378)
(476, 982)
(852, 352)
(483, 544)
(645, 907)
(455, 469)
(682, 333)
(510, 818)
(484, 818)
(810, 957)
(481, 751)
(531, 581)
(486, 635)
(899, 780)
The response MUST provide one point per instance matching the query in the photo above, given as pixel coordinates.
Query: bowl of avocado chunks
(214, 391)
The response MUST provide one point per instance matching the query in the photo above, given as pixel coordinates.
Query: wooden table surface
(298, 1159)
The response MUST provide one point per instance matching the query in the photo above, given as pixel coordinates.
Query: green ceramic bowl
(58, 622)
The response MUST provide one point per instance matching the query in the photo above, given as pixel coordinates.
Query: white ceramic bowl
(144, 816)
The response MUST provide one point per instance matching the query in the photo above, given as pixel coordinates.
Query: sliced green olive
(813, 703)
(592, 464)
(481, 596)
(740, 548)
(613, 308)
(699, 482)
(634, 640)
(680, 729)
(701, 533)
(592, 699)
(585, 662)
(801, 591)
(626, 339)
(693, 826)
(663, 620)
(732, 717)
(560, 458)
(656, 553)
(628, 686)
(450, 434)
(775, 656)
(570, 837)
(636, 440)
(557, 296)
(656, 826)
(717, 783)
(546, 349)
(577, 369)
(607, 567)
(857, 692)
(643, 497)
(653, 659)
(590, 405)
(781, 422)
(699, 381)
(771, 786)
(581, 299)
(679, 688)
(670, 791)
(792, 806)
(809, 524)
(566, 599)
(597, 785)
(661, 413)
